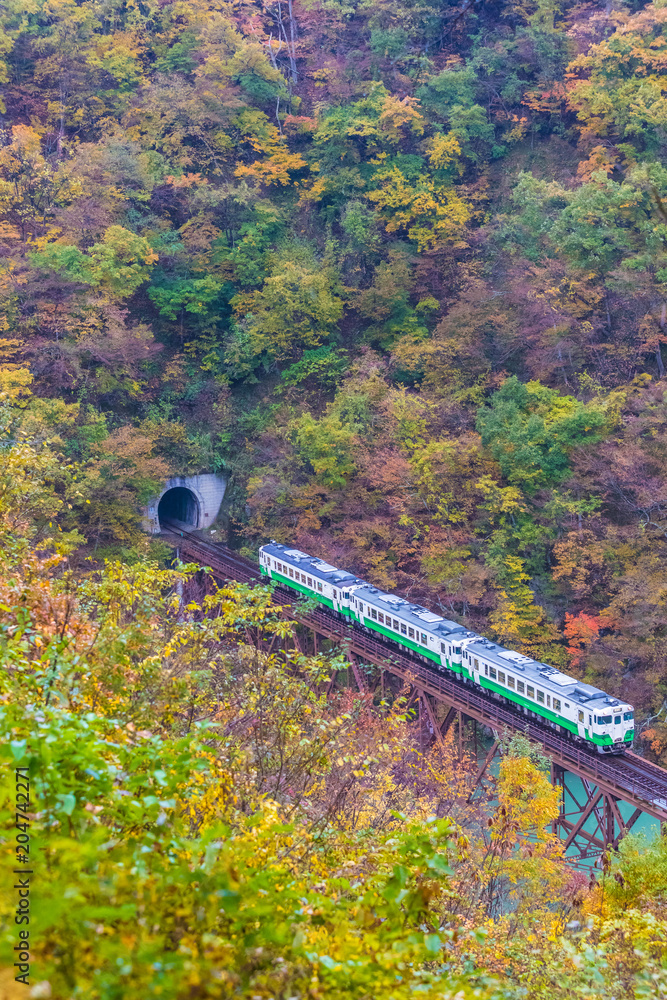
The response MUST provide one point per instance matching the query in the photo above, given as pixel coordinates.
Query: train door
(581, 729)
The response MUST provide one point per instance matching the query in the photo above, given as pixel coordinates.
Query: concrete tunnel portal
(194, 500)
(179, 504)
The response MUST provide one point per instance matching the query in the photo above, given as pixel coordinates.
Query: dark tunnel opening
(179, 504)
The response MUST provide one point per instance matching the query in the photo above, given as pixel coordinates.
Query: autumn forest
(398, 270)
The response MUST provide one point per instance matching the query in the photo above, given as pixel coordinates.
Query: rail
(628, 777)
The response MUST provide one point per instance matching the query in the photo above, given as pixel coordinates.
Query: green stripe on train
(279, 578)
(546, 713)
(403, 641)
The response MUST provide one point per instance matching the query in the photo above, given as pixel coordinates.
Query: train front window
(628, 716)
(617, 720)
(604, 720)
(457, 650)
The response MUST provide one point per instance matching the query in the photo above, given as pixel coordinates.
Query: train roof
(416, 615)
(548, 677)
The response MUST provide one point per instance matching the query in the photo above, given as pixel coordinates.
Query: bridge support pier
(591, 820)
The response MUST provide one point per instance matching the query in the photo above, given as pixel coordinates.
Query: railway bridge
(602, 798)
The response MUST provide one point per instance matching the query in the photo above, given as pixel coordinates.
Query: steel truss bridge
(592, 818)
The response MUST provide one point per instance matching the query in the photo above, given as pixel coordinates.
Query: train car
(541, 690)
(576, 709)
(434, 638)
(308, 575)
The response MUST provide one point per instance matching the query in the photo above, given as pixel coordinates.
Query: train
(581, 712)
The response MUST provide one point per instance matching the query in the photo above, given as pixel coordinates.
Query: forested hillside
(399, 269)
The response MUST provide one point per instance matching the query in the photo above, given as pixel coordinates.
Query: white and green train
(575, 709)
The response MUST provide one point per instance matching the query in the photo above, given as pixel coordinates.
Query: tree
(328, 445)
(117, 265)
(531, 430)
(297, 306)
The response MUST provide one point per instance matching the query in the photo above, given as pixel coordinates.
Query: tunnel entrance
(179, 504)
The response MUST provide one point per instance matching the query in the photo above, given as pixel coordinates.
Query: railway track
(628, 777)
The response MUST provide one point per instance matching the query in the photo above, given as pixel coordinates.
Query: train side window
(531, 691)
(380, 617)
(556, 704)
(319, 586)
(310, 582)
(510, 681)
(492, 673)
(486, 670)
(395, 625)
(411, 633)
(540, 696)
(291, 572)
(567, 704)
(580, 716)
(501, 677)
(303, 578)
(476, 664)
(374, 613)
(424, 639)
(590, 720)
(520, 687)
(549, 700)
(404, 629)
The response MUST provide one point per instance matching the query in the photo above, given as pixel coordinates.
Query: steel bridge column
(557, 778)
(355, 664)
